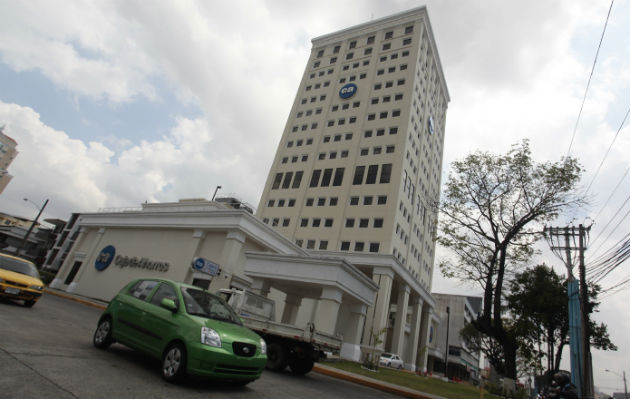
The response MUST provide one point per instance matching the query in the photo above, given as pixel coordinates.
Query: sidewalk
(322, 369)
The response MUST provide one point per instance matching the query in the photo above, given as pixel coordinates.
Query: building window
(349, 222)
(370, 118)
(380, 132)
(333, 60)
(333, 201)
(285, 222)
(382, 200)
(374, 247)
(336, 49)
(386, 173)
(275, 222)
(378, 222)
(406, 41)
(364, 151)
(358, 175)
(396, 113)
(310, 244)
(344, 153)
(316, 222)
(315, 177)
(408, 29)
(354, 200)
(367, 200)
(277, 180)
(367, 134)
(270, 203)
(371, 174)
(367, 51)
(393, 130)
(386, 46)
(364, 222)
(321, 201)
(328, 222)
(390, 149)
(358, 246)
(345, 246)
(285, 160)
(370, 40)
(376, 150)
(338, 176)
(281, 203)
(348, 136)
(321, 156)
(297, 180)
(291, 203)
(389, 35)
(349, 56)
(309, 202)
(323, 244)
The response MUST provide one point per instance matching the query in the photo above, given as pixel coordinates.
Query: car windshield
(19, 266)
(201, 303)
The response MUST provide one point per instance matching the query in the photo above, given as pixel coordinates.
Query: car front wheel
(103, 334)
(174, 363)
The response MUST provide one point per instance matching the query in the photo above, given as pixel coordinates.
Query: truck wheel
(276, 357)
(301, 366)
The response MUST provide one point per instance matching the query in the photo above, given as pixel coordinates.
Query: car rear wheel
(174, 363)
(29, 303)
(103, 334)
(301, 366)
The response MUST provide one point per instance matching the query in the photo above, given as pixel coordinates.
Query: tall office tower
(359, 164)
(7, 155)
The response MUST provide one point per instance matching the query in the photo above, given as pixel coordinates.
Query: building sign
(108, 254)
(205, 266)
(105, 257)
(347, 91)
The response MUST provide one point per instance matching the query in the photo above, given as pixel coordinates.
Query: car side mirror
(169, 304)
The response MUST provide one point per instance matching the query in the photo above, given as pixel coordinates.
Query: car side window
(142, 289)
(165, 291)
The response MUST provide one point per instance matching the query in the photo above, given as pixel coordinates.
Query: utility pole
(581, 367)
(448, 323)
(28, 233)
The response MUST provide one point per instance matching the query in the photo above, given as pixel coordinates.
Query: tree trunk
(509, 350)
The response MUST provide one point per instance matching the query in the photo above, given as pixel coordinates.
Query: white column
(376, 317)
(398, 339)
(412, 353)
(353, 327)
(327, 308)
(65, 268)
(423, 341)
(292, 304)
(77, 278)
(230, 255)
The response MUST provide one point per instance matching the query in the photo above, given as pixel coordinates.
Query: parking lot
(47, 352)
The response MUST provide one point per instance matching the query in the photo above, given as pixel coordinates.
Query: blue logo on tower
(347, 91)
(105, 257)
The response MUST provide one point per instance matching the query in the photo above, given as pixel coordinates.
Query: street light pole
(448, 323)
(28, 233)
(625, 387)
(215, 192)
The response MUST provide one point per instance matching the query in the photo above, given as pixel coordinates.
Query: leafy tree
(492, 213)
(539, 302)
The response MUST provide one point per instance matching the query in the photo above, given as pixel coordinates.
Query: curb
(394, 389)
(76, 299)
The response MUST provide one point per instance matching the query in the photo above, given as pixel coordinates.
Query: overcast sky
(114, 103)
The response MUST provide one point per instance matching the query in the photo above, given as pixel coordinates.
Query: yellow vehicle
(19, 280)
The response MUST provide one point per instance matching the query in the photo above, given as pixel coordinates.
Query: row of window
(372, 173)
(311, 244)
(368, 200)
(383, 115)
(377, 150)
(380, 132)
(370, 40)
(288, 178)
(391, 69)
(326, 177)
(294, 159)
(388, 84)
(366, 52)
(333, 155)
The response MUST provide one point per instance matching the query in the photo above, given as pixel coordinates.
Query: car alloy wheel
(174, 363)
(103, 334)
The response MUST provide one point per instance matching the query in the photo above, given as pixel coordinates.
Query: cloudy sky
(114, 103)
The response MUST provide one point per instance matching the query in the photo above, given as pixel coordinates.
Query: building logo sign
(105, 257)
(347, 91)
(205, 266)
(108, 255)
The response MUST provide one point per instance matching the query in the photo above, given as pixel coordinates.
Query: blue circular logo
(105, 257)
(347, 91)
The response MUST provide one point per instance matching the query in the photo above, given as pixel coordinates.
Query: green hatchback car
(189, 329)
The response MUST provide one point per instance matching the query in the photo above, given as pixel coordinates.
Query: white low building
(163, 240)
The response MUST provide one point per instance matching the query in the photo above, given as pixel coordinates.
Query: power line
(608, 151)
(611, 195)
(589, 78)
(608, 223)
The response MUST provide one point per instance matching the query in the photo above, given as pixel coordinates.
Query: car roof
(5, 255)
(176, 283)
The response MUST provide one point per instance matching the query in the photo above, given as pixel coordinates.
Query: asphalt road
(47, 352)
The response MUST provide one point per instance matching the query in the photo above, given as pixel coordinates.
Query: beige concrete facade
(8, 152)
(357, 170)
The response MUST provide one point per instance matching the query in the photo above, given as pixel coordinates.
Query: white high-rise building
(357, 171)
